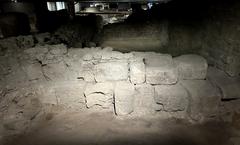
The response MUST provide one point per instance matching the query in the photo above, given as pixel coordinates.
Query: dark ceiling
(110, 1)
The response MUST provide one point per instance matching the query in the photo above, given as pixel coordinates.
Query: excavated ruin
(168, 75)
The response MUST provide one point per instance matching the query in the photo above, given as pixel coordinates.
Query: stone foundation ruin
(137, 84)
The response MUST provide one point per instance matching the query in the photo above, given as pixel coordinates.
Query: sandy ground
(105, 129)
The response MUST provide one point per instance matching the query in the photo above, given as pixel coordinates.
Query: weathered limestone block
(191, 66)
(124, 98)
(204, 99)
(21, 107)
(137, 72)
(70, 94)
(99, 94)
(33, 71)
(36, 53)
(46, 93)
(144, 103)
(160, 70)
(56, 72)
(173, 97)
(111, 71)
(230, 86)
(87, 72)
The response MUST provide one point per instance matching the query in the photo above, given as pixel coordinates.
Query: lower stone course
(173, 97)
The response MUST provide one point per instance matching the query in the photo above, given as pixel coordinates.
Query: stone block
(70, 94)
(137, 72)
(204, 99)
(124, 98)
(144, 103)
(99, 94)
(230, 86)
(111, 71)
(33, 71)
(173, 97)
(191, 66)
(160, 70)
(56, 72)
(86, 72)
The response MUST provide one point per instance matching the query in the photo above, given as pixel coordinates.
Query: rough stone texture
(230, 111)
(173, 97)
(43, 38)
(230, 86)
(144, 103)
(161, 70)
(124, 98)
(87, 72)
(99, 94)
(70, 94)
(204, 99)
(25, 41)
(46, 93)
(33, 71)
(235, 140)
(56, 72)
(137, 72)
(19, 107)
(191, 66)
(111, 71)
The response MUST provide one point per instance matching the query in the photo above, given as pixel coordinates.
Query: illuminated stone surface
(191, 66)
(111, 71)
(99, 94)
(144, 103)
(124, 98)
(172, 97)
(161, 70)
(137, 72)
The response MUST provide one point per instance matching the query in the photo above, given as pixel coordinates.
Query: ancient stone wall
(40, 79)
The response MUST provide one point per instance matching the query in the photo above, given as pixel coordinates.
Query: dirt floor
(105, 129)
